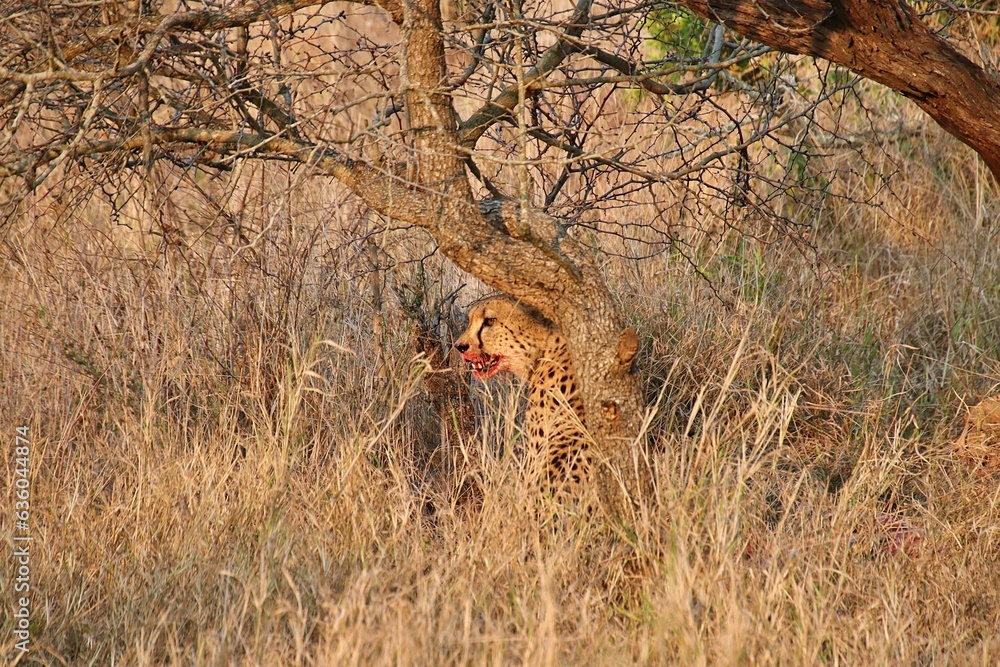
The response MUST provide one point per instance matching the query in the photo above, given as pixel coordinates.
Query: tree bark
(884, 41)
(528, 256)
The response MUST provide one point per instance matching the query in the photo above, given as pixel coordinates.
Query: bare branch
(886, 42)
(206, 20)
(477, 124)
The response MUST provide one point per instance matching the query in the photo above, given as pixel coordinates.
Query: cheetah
(504, 336)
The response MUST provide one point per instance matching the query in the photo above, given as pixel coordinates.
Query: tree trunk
(884, 41)
(528, 256)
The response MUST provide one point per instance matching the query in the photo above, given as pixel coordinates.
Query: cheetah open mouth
(486, 367)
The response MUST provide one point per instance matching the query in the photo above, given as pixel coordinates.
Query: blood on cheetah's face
(502, 337)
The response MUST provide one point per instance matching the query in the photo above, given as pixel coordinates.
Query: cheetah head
(503, 336)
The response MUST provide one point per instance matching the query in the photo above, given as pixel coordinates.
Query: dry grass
(220, 477)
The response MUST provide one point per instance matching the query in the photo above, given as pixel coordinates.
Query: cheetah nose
(461, 347)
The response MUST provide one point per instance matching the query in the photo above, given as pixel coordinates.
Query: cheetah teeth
(483, 366)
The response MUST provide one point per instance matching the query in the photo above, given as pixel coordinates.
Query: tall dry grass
(220, 476)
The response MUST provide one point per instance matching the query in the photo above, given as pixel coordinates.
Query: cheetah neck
(552, 375)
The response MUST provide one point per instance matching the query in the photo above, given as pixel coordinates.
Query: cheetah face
(502, 337)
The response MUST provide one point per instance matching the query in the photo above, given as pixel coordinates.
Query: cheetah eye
(489, 321)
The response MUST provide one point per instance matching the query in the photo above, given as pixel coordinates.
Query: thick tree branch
(882, 41)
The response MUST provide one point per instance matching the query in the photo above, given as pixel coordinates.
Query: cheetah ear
(628, 345)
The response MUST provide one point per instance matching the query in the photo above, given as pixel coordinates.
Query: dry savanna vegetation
(237, 450)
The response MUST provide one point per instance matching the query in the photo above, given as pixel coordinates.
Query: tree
(458, 127)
